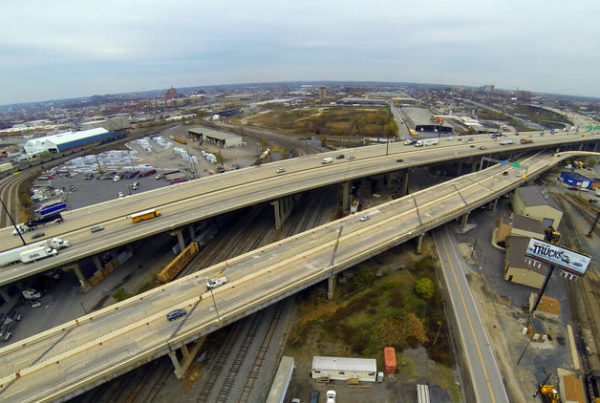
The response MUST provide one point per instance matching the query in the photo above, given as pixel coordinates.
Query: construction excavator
(548, 392)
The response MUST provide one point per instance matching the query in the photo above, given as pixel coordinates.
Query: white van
(327, 160)
(216, 282)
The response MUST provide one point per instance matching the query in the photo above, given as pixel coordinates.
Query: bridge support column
(463, 220)
(345, 196)
(404, 190)
(83, 283)
(276, 210)
(188, 356)
(97, 263)
(283, 208)
(192, 232)
(180, 238)
(473, 165)
(4, 294)
(331, 285)
(493, 205)
(580, 147)
(595, 147)
(419, 243)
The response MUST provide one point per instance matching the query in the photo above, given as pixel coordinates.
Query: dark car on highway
(37, 235)
(177, 313)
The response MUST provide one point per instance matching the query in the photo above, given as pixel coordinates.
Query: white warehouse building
(343, 368)
(59, 142)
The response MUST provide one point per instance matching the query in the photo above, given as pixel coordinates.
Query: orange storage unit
(389, 359)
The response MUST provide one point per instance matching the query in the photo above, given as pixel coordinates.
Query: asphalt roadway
(486, 378)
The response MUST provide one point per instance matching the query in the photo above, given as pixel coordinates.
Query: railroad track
(583, 294)
(259, 360)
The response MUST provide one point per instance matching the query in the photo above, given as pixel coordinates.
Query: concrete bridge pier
(404, 188)
(5, 295)
(595, 149)
(492, 205)
(283, 208)
(192, 232)
(97, 263)
(463, 221)
(580, 148)
(180, 238)
(83, 283)
(331, 285)
(187, 356)
(473, 165)
(419, 243)
(346, 196)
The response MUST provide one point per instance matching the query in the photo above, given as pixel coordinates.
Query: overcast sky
(61, 49)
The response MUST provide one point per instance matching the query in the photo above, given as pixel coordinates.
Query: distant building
(529, 201)
(59, 142)
(220, 139)
(171, 94)
(343, 368)
(488, 89)
(323, 92)
(111, 124)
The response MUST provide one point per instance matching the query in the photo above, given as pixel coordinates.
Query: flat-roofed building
(531, 202)
(220, 139)
(344, 368)
(521, 269)
(519, 225)
(548, 307)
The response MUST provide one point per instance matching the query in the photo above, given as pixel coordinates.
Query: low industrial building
(519, 225)
(421, 121)
(59, 142)
(535, 331)
(570, 387)
(548, 307)
(220, 139)
(529, 201)
(521, 269)
(344, 369)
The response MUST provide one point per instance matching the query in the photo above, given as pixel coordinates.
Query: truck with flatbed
(53, 208)
(33, 223)
(526, 141)
(507, 141)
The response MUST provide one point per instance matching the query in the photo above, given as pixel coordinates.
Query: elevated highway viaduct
(190, 202)
(64, 361)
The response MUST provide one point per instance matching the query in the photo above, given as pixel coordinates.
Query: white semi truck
(33, 252)
(504, 142)
(427, 142)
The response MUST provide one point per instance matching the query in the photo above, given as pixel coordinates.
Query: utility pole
(13, 222)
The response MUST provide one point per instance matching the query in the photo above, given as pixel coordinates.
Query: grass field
(328, 121)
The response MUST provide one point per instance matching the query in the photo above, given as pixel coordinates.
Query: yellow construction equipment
(549, 394)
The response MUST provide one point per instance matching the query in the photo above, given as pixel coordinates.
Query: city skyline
(66, 49)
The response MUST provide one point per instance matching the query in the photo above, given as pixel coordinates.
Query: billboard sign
(565, 259)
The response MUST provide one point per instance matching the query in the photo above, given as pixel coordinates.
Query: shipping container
(389, 358)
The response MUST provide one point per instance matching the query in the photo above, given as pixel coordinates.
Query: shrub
(424, 288)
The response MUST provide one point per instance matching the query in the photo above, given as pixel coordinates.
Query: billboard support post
(546, 281)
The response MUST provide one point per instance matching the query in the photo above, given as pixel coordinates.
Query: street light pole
(215, 304)
(12, 221)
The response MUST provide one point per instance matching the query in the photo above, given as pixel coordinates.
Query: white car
(216, 281)
(364, 217)
(279, 170)
(331, 396)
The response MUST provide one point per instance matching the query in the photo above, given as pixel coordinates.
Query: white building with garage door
(343, 369)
